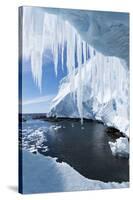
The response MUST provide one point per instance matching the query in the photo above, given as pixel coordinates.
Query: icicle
(70, 37)
(79, 89)
(85, 58)
(84, 52)
(62, 57)
(36, 48)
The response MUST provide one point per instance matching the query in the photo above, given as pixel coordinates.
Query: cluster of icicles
(46, 31)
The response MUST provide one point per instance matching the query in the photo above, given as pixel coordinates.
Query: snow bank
(44, 174)
(120, 147)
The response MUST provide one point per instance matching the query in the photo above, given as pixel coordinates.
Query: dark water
(85, 148)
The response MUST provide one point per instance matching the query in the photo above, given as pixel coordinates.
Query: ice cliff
(97, 54)
(103, 93)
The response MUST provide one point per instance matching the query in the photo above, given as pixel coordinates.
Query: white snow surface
(120, 147)
(51, 176)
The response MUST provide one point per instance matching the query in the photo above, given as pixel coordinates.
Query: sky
(34, 101)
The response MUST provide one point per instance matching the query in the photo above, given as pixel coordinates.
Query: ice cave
(97, 81)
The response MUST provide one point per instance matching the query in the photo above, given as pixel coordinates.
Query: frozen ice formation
(97, 52)
(42, 31)
(107, 32)
(120, 147)
(33, 139)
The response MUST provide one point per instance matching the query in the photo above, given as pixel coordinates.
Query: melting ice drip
(44, 31)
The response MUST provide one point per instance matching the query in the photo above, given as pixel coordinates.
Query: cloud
(43, 99)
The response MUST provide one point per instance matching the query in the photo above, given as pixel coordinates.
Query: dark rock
(114, 133)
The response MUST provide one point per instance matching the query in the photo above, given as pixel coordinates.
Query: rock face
(114, 133)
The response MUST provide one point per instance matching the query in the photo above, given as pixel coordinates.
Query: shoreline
(110, 130)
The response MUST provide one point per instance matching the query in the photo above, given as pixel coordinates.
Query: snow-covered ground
(44, 174)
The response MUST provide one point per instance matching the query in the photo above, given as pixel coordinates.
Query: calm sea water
(85, 148)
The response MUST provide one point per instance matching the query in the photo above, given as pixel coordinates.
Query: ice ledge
(107, 32)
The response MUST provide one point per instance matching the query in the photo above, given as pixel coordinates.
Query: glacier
(97, 84)
(105, 95)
